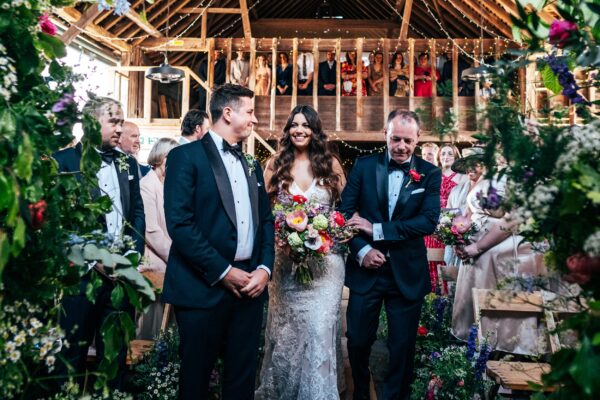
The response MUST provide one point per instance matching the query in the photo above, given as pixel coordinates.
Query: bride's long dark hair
(320, 155)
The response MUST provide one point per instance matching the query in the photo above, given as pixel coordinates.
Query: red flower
(46, 25)
(460, 383)
(339, 219)
(581, 268)
(422, 331)
(414, 175)
(561, 32)
(298, 198)
(36, 212)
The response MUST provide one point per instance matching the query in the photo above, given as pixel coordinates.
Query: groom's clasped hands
(242, 283)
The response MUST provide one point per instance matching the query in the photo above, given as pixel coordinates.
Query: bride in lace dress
(302, 335)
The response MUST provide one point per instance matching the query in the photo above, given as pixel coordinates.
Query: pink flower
(561, 32)
(454, 230)
(46, 25)
(461, 223)
(581, 268)
(297, 220)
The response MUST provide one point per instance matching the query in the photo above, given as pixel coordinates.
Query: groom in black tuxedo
(396, 196)
(218, 215)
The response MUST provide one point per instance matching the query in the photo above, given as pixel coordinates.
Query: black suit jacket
(326, 76)
(219, 71)
(416, 215)
(69, 160)
(200, 216)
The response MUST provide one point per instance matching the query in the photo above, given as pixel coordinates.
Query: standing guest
(82, 319)
(194, 126)
(158, 241)
(350, 76)
(219, 218)
(399, 84)
(445, 158)
(219, 75)
(306, 69)
(429, 153)
(423, 76)
(376, 75)
(239, 70)
(396, 198)
(284, 76)
(129, 143)
(263, 77)
(446, 75)
(327, 75)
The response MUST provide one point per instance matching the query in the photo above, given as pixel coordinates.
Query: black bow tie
(394, 166)
(108, 156)
(233, 149)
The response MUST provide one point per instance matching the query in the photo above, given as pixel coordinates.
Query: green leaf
(550, 80)
(6, 193)
(596, 339)
(91, 252)
(23, 163)
(52, 46)
(91, 290)
(4, 250)
(516, 32)
(18, 242)
(143, 16)
(585, 367)
(75, 255)
(57, 71)
(116, 296)
(136, 279)
(8, 123)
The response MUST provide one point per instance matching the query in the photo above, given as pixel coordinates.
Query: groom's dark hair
(227, 95)
(405, 115)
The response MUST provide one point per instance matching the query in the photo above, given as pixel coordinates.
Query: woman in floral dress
(349, 76)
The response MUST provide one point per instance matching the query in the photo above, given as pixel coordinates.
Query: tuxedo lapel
(124, 185)
(221, 177)
(381, 176)
(252, 191)
(407, 187)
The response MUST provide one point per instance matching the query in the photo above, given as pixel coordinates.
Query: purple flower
(527, 175)
(471, 342)
(559, 66)
(64, 103)
(484, 354)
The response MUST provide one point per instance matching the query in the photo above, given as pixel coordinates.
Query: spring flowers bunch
(454, 229)
(307, 232)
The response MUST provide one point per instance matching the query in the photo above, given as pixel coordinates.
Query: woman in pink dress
(350, 75)
(447, 154)
(423, 78)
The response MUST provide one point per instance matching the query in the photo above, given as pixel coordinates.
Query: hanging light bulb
(165, 73)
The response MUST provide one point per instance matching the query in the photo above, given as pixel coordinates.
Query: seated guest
(327, 75)
(158, 241)
(423, 76)
(284, 76)
(194, 126)
(429, 152)
(129, 143)
(398, 76)
(239, 70)
(306, 69)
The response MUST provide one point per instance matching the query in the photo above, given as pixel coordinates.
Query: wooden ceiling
(289, 18)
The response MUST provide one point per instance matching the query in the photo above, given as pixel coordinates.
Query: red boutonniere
(414, 176)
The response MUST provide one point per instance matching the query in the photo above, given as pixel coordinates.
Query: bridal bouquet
(307, 231)
(454, 229)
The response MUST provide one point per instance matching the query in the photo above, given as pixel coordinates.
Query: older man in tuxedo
(219, 218)
(396, 198)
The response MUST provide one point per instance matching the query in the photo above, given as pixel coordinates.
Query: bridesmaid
(447, 154)
(263, 77)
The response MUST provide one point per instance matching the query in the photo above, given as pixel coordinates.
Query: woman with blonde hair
(263, 77)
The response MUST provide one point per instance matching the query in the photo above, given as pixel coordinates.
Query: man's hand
(329, 86)
(361, 224)
(373, 259)
(258, 281)
(235, 280)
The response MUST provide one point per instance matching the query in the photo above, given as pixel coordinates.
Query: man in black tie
(396, 196)
(118, 178)
(327, 75)
(306, 69)
(218, 215)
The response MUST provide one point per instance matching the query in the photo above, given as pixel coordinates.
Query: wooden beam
(204, 27)
(144, 25)
(433, 60)
(468, 29)
(338, 85)
(273, 82)
(174, 44)
(411, 74)
(315, 81)
(405, 19)
(210, 72)
(475, 14)
(165, 19)
(245, 19)
(359, 85)
(386, 80)
(366, 136)
(209, 10)
(441, 15)
(284, 24)
(455, 104)
(294, 73)
(86, 18)
(228, 61)
(71, 15)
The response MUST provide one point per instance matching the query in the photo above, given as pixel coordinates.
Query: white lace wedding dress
(302, 339)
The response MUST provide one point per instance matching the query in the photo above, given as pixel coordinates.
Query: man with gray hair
(118, 178)
(394, 201)
(129, 144)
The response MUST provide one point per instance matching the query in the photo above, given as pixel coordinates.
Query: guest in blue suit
(394, 198)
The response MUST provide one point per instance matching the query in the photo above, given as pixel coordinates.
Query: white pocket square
(417, 191)
(130, 177)
(259, 185)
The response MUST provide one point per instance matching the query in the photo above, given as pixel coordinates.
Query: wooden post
(228, 61)
(411, 74)
(252, 66)
(210, 72)
(455, 79)
(273, 83)
(522, 90)
(148, 100)
(386, 80)
(359, 85)
(204, 27)
(185, 95)
(477, 87)
(433, 56)
(294, 73)
(531, 94)
(338, 85)
(315, 80)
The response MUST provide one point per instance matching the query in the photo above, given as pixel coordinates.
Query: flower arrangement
(307, 232)
(454, 229)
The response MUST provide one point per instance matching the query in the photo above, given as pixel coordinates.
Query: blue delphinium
(484, 354)
(121, 6)
(559, 66)
(471, 342)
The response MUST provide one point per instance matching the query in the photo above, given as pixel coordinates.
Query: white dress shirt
(395, 180)
(310, 65)
(109, 185)
(243, 208)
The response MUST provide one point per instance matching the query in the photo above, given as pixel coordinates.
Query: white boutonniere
(121, 163)
(250, 160)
